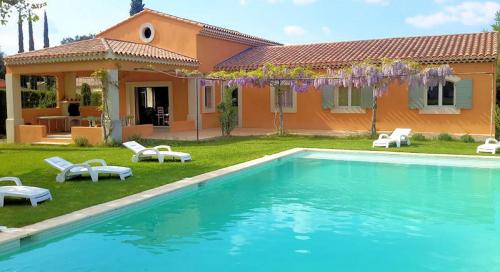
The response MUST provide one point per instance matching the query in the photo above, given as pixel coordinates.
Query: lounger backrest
(397, 133)
(58, 163)
(134, 146)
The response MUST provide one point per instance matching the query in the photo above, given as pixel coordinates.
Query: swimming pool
(310, 211)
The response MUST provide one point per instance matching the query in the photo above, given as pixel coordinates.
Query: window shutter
(366, 98)
(416, 97)
(463, 94)
(327, 97)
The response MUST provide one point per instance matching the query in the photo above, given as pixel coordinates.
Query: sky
(285, 21)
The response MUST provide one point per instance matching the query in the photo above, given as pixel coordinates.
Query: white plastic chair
(70, 170)
(157, 152)
(399, 136)
(490, 146)
(34, 194)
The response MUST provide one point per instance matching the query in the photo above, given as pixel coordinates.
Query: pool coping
(12, 240)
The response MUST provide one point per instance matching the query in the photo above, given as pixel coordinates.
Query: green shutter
(366, 98)
(327, 97)
(463, 94)
(416, 97)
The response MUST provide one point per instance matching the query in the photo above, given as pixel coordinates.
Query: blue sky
(286, 21)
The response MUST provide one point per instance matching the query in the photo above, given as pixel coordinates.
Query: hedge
(38, 99)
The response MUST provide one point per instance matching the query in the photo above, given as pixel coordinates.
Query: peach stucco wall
(174, 35)
(93, 134)
(27, 134)
(211, 51)
(30, 115)
(392, 112)
(137, 130)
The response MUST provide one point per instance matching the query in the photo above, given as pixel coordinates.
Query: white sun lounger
(70, 170)
(157, 152)
(34, 194)
(399, 136)
(490, 146)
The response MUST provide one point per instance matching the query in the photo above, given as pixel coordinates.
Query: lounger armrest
(383, 136)
(99, 161)
(14, 179)
(167, 147)
(491, 141)
(148, 149)
(62, 176)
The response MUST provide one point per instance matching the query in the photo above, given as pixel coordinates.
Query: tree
(107, 124)
(2, 66)
(228, 113)
(24, 7)
(31, 41)
(281, 78)
(20, 35)
(45, 31)
(136, 6)
(77, 38)
(378, 77)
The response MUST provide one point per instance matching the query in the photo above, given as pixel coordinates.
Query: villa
(141, 52)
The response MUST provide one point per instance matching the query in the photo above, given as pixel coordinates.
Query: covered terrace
(135, 76)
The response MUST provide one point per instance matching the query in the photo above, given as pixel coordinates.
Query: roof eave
(102, 56)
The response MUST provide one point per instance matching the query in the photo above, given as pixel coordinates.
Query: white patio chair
(399, 136)
(157, 152)
(70, 170)
(34, 194)
(490, 146)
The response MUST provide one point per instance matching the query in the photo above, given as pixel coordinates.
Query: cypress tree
(45, 31)
(136, 6)
(20, 35)
(31, 41)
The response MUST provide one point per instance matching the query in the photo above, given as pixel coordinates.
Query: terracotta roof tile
(474, 47)
(101, 48)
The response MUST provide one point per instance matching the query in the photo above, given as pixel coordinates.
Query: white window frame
(349, 98)
(204, 108)
(275, 109)
(440, 97)
(142, 28)
(440, 108)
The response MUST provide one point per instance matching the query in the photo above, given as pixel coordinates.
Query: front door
(152, 105)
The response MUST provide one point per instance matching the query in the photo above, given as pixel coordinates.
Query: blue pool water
(307, 212)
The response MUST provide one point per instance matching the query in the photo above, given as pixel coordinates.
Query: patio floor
(211, 133)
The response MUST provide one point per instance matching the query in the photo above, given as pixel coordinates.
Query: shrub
(82, 141)
(228, 113)
(445, 137)
(466, 138)
(418, 137)
(137, 138)
(86, 94)
(96, 99)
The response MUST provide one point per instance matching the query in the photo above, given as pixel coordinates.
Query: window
(442, 95)
(348, 97)
(208, 99)
(147, 32)
(288, 99)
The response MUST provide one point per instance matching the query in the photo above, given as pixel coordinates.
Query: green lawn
(27, 162)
